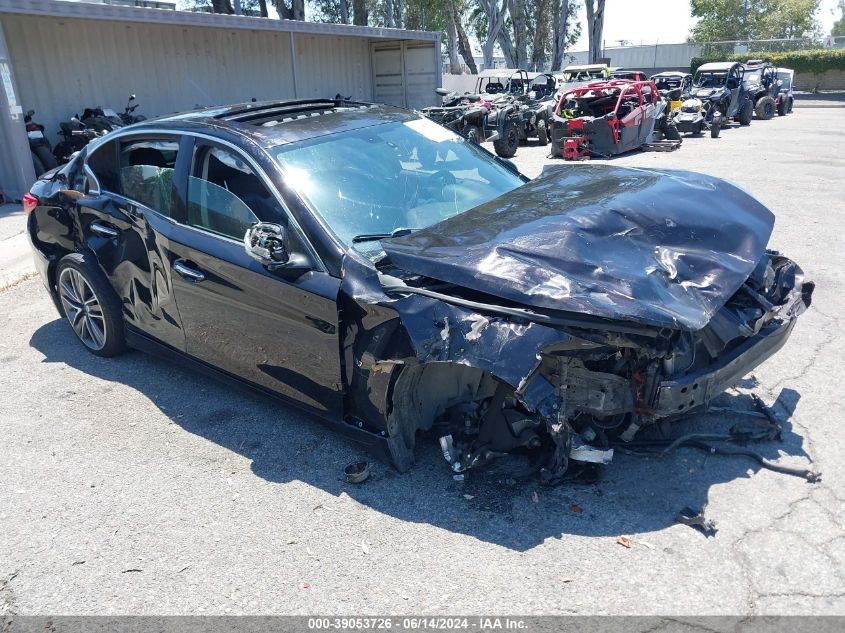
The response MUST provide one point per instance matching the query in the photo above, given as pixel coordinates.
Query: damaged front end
(501, 334)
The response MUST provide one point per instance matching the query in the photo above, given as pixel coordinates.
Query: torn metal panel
(660, 247)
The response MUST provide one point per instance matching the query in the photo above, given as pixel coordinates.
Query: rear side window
(105, 167)
(146, 172)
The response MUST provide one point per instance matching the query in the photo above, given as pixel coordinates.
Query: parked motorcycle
(128, 115)
(42, 152)
(75, 135)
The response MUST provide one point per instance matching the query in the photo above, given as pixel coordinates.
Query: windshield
(392, 176)
(583, 75)
(710, 80)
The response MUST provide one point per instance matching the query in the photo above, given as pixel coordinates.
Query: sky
(656, 21)
(663, 21)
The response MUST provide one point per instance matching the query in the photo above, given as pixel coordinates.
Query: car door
(277, 330)
(124, 218)
(631, 120)
(735, 77)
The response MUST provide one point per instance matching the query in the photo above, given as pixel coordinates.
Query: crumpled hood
(657, 247)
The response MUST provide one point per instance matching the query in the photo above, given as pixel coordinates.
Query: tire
(508, 143)
(765, 108)
(715, 126)
(782, 107)
(46, 157)
(542, 132)
(746, 113)
(90, 305)
(791, 103)
(37, 165)
(670, 131)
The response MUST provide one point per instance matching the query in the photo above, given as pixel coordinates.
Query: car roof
(273, 123)
(717, 66)
(671, 73)
(586, 67)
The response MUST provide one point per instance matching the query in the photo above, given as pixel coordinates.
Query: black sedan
(392, 277)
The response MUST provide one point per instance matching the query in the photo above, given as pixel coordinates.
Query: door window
(146, 172)
(226, 197)
(103, 164)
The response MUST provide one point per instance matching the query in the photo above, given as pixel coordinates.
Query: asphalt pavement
(130, 486)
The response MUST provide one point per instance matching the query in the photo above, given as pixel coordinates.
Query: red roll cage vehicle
(605, 118)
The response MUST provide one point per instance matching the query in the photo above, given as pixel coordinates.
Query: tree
(495, 15)
(457, 40)
(726, 20)
(839, 25)
(595, 28)
(565, 30)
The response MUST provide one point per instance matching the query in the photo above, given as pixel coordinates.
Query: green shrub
(816, 61)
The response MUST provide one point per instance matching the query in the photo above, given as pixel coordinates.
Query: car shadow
(634, 495)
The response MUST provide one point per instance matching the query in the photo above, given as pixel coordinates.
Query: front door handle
(191, 274)
(100, 228)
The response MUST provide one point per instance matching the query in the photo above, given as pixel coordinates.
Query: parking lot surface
(130, 486)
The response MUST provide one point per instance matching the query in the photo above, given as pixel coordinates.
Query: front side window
(399, 175)
(225, 196)
(146, 172)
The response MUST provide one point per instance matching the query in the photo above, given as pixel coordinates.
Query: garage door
(387, 73)
(405, 74)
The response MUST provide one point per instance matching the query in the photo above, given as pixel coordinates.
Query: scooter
(42, 152)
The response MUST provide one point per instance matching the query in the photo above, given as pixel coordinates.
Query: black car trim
(152, 131)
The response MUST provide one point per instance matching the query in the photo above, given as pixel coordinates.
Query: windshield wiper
(371, 237)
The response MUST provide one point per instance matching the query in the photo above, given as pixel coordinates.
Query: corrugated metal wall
(63, 65)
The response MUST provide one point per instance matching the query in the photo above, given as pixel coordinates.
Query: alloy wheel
(82, 308)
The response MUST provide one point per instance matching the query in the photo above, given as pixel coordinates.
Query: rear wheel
(90, 305)
(782, 107)
(46, 157)
(791, 102)
(37, 165)
(507, 144)
(765, 108)
(542, 132)
(746, 113)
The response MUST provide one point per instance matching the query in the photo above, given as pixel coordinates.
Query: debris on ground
(357, 472)
(574, 507)
(697, 520)
(624, 541)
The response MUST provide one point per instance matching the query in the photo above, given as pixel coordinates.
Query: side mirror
(441, 91)
(268, 243)
(132, 97)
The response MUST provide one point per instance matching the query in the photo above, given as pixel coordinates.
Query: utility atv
(537, 105)
(606, 118)
(464, 114)
(760, 80)
(673, 86)
(716, 96)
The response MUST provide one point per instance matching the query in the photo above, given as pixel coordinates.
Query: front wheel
(715, 126)
(746, 113)
(765, 108)
(90, 305)
(507, 144)
(542, 132)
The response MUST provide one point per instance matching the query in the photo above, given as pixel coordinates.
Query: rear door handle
(100, 228)
(187, 272)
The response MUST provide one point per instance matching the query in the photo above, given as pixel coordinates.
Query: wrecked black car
(394, 278)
